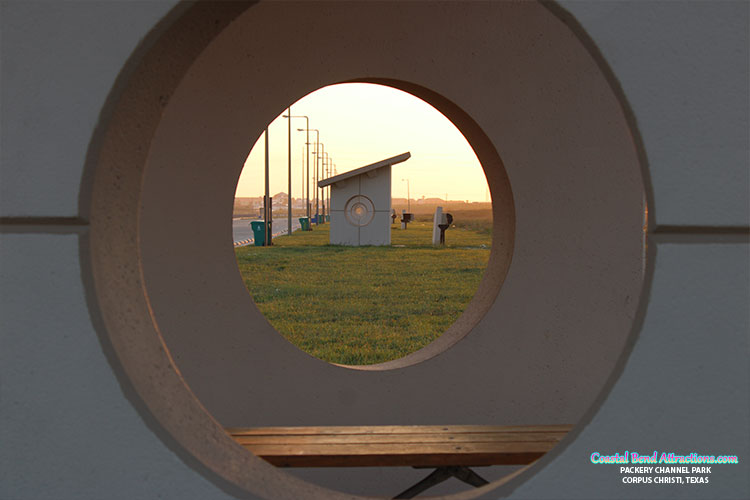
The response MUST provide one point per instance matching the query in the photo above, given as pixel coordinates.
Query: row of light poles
(323, 166)
(323, 163)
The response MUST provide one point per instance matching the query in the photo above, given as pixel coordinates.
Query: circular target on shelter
(359, 210)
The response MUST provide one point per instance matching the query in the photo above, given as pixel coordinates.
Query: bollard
(440, 223)
(406, 218)
(446, 223)
(437, 219)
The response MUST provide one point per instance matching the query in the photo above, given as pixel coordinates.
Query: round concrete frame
(512, 77)
(353, 204)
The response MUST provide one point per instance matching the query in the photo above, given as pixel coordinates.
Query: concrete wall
(374, 229)
(72, 425)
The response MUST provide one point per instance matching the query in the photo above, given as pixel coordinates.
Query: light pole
(326, 190)
(317, 142)
(332, 172)
(307, 145)
(408, 196)
(267, 208)
(302, 178)
(326, 161)
(319, 152)
(289, 174)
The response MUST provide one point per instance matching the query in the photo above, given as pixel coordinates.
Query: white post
(438, 219)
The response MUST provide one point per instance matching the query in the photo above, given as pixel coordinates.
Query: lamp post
(327, 189)
(307, 146)
(289, 116)
(323, 164)
(319, 152)
(333, 171)
(317, 143)
(289, 174)
(267, 208)
(408, 196)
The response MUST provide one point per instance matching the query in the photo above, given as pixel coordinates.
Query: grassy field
(364, 305)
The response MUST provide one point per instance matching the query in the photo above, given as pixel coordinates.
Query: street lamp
(307, 145)
(319, 152)
(317, 143)
(324, 164)
(289, 174)
(332, 173)
(267, 206)
(408, 196)
(327, 189)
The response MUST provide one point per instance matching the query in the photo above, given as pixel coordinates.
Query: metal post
(307, 147)
(318, 154)
(408, 196)
(317, 151)
(323, 190)
(317, 178)
(267, 200)
(289, 155)
(326, 192)
(302, 180)
(307, 199)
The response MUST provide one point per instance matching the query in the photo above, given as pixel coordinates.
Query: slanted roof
(365, 169)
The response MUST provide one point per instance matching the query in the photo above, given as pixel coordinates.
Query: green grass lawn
(364, 305)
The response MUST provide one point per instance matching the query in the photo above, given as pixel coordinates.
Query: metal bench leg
(468, 476)
(441, 474)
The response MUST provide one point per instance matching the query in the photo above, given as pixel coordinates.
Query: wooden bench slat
(398, 439)
(400, 445)
(395, 429)
(421, 454)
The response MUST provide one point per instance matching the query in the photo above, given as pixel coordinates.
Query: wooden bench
(450, 449)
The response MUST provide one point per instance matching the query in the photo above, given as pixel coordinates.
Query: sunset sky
(364, 123)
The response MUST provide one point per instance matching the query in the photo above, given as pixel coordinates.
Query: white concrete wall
(376, 187)
(68, 428)
(71, 429)
(683, 67)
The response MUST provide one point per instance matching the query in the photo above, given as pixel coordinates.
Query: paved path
(242, 233)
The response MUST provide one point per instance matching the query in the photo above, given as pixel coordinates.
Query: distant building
(280, 199)
(361, 204)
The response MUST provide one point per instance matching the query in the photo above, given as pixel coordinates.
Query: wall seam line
(43, 225)
(700, 234)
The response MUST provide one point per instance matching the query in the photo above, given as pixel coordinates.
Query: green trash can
(305, 223)
(259, 231)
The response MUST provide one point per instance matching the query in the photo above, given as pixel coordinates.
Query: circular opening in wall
(359, 211)
(362, 223)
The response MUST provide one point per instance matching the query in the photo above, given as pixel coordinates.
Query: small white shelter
(361, 204)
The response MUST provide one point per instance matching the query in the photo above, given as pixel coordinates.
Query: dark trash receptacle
(406, 218)
(304, 223)
(259, 232)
